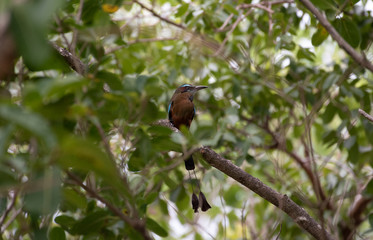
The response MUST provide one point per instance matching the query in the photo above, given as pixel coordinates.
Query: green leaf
(350, 142)
(3, 205)
(230, 8)
(348, 30)
(93, 222)
(354, 153)
(59, 87)
(156, 228)
(56, 233)
(329, 113)
(370, 218)
(5, 133)
(66, 222)
(29, 23)
(74, 199)
(111, 79)
(47, 197)
(319, 36)
(369, 188)
(7, 178)
(231, 197)
(305, 54)
(324, 4)
(84, 155)
(183, 8)
(29, 121)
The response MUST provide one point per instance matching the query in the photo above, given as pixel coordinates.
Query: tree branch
(280, 145)
(8, 209)
(73, 61)
(366, 115)
(137, 224)
(361, 59)
(159, 16)
(283, 202)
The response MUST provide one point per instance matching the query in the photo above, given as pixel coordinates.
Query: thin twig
(359, 58)
(187, 219)
(141, 40)
(75, 32)
(277, 2)
(60, 30)
(103, 138)
(129, 20)
(366, 115)
(278, 235)
(146, 40)
(74, 62)
(11, 219)
(256, 5)
(234, 26)
(159, 16)
(137, 224)
(270, 21)
(261, 5)
(8, 209)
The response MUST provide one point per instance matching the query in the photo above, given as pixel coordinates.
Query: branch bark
(366, 115)
(283, 202)
(360, 59)
(74, 62)
(137, 224)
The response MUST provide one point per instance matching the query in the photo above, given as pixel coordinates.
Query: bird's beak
(200, 87)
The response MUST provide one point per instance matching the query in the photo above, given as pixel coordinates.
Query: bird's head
(187, 88)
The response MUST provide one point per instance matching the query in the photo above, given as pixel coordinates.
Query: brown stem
(8, 209)
(283, 202)
(159, 16)
(137, 224)
(73, 61)
(280, 145)
(361, 59)
(366, 115)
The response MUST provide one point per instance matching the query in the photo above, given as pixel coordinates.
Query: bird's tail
(189, 163)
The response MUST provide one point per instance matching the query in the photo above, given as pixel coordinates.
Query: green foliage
(281, 95)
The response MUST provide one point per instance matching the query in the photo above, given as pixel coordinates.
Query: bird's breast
(182, 112)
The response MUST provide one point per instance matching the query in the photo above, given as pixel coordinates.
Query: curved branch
(137, 224)
(366, 115)
(159, 16)
(280, 145)
(73, 61)
(8, 210)
(283, 202)
(361, 59)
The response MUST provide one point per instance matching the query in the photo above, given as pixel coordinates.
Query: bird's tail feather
(189, 164)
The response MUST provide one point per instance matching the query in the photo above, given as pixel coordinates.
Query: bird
(181, 111)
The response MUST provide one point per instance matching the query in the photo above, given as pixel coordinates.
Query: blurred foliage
(279, 88)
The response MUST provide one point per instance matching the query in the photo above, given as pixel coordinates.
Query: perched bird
(181, 111)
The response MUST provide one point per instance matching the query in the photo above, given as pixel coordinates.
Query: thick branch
(71, 60)
(361, 59)
(283, 202)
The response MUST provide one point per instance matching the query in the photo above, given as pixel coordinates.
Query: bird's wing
(170, 111)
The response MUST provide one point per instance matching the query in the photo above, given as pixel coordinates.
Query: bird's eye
(185, 89)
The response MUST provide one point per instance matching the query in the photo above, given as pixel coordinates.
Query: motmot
(181, 111)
